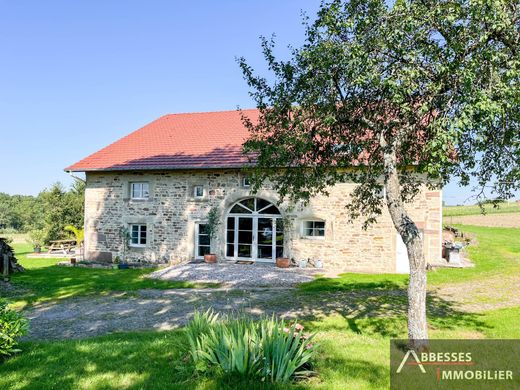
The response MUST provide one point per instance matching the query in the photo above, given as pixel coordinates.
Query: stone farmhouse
(159, 183)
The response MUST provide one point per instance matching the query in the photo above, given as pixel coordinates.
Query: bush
(266, 349)
(12, 326)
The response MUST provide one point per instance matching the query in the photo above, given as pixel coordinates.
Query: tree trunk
(417, 325)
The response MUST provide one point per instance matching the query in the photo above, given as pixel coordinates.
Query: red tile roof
(177, 141)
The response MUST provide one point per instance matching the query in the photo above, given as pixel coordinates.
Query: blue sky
(75, 76)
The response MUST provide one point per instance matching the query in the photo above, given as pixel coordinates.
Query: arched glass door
(254, 231)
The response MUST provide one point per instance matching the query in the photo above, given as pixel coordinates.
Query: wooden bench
(64, 246)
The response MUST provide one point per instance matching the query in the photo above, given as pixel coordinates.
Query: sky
(78, 75)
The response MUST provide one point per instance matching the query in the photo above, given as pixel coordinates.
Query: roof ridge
(209, 112)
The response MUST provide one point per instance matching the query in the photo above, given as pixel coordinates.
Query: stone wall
(172, 212)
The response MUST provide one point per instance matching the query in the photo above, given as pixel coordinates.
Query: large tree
(396, 97)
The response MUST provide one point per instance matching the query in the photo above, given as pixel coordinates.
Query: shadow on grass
(55, 282)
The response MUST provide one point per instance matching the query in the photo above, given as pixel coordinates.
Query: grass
(497, 252)
(354, 350)
(45, 281)
(506, 207)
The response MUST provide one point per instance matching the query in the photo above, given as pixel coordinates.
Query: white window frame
(139, 230)
(245, 181)
(195, 188)
(304, 229)
(197, 227)
(142, 186)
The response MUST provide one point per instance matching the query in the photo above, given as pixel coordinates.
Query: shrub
(265, 349)
(12, 326)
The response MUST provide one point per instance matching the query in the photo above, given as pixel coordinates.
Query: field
(503, 208)
(355, 316)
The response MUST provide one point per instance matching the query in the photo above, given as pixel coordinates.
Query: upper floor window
(246, 181)
(138, 235)
(313, 228)
(140, 190)
(198, 191)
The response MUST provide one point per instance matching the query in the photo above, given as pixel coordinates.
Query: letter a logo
(405, 358)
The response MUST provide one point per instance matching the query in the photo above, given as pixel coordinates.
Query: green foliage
(265, 349)
(79, 234)
(419, 81)
(12, 326)
(37, 238)
(50, 211)
(213, 222)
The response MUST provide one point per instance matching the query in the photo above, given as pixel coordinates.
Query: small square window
(140, 190)
(198, 191)
(138, 235)
(246, 182)
(313, 229)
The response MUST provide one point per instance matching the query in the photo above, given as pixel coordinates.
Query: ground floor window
(138, 235)
(202, 240)
(313, 228)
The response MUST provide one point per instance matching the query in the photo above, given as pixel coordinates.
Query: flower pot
(37, 249)
(115, 266)
(283, 262)
(318, 264)
(302, 263)
(210, 258)
(123, 266)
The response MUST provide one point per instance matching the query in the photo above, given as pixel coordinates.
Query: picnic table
(64, 246)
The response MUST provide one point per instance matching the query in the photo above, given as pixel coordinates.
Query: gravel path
(146, 309)
(238, 275)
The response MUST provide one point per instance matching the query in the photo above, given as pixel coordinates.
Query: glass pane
(261, 203)
(265, 251)
(308, 232)
(135, 229)
(279, 238)
(245, 237)
(249, 203)
(279, 251)
(231, 223)
(230, 250)
(203, 250)
(238, 209)
(319, 224)
(319, 232)
(134, 240)
(271, 210)
(143, 236)
(203, 228)
(245, 223)
(204, 239)
(308, 225)
(244, 250)
(230, 236)
(145, 190)
(265, 231)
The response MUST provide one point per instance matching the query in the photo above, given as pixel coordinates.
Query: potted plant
(125, 238)
(117, 260)
(285, 262)
(212, 229)
(37, 239)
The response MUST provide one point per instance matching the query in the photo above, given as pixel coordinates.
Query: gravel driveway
(238, 275)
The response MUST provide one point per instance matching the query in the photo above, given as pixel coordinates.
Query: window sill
(320, 238)
(137, 246)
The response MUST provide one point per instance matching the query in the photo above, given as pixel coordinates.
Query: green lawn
(506, 207)
(45, 281)
(496, 252)
(354, 348)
